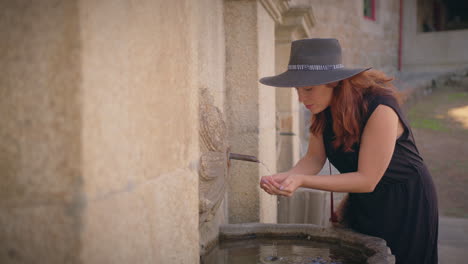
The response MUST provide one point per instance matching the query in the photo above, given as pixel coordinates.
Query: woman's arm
(313, 160)
(310, 164)
(376, 150)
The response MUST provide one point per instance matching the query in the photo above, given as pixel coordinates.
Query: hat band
(312, 67)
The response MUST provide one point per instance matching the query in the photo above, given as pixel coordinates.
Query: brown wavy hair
(348, 107)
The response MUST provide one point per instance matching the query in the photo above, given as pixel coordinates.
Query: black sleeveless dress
(402, 209)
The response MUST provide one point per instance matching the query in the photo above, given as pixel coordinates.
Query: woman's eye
(308, 89)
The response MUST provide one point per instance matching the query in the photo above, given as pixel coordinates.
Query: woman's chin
(315, 111)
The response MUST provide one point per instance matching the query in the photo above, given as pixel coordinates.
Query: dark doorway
(441, 15)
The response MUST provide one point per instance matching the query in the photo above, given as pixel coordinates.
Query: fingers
(268, 184)
(266, 189)
(280, 191)
(265, 186)
(272, 189)
(274, 183)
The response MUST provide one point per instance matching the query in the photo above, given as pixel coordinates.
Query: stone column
(296, 24)
(287, 106)
(140, 131)
(99, 134)
(250, 108)
(40, 133)
(307, 205)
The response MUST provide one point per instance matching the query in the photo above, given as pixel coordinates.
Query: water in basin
(282, 251)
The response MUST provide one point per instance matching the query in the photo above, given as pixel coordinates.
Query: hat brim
(296, 78)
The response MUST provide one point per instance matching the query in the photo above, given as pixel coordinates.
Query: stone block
(171, 203)
(131, 98)
(117, 229)
(40, 105)
(156, 221)
(250, 107)
(40, 234)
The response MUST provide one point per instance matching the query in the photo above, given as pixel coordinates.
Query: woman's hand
(267, 183)
(279, 177)
(290, 184)
(281, 184)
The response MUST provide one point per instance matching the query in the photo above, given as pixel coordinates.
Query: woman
(358, 125)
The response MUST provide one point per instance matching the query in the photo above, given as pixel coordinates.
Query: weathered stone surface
(42, 234)
(40, 103)
(40, 132)
(213, 181)
(117, 229)
(138, 112)
(212, 131)
(250, 108)
(375, 248)
(171, 205)
(98, 99)
(212, 128)
(213, 168)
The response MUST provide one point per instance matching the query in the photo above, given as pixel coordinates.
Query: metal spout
(243, 157)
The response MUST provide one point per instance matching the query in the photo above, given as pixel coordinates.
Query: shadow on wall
(40, 146)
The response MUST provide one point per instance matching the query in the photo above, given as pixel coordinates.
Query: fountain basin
(363, 248)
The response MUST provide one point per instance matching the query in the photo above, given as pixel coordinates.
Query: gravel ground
(440, 126)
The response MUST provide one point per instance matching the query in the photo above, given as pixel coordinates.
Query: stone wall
(99, 112)
(41, 159)
(140, 118)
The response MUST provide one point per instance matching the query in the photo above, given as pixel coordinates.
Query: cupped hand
(280, 177)
(281, 184)
(267, 183)
(271, 183)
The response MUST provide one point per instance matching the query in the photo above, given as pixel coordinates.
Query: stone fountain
(216, 233)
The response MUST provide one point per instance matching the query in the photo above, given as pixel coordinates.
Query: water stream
(266, 167)
(274, 255)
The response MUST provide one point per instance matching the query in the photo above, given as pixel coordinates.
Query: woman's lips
(309, 106)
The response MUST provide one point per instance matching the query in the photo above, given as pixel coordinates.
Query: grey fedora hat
(313, 62)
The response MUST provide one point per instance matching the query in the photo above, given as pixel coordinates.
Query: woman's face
(316, 98)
